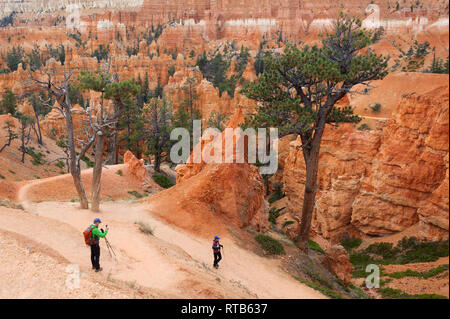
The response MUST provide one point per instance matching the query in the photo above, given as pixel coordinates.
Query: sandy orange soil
(171, 263)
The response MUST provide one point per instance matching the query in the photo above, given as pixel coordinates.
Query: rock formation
(338, 262)
(212, 197)
(382, 181)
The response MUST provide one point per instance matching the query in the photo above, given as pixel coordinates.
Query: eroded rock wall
(381, 181)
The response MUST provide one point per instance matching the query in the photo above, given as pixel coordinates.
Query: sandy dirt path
(172, 261)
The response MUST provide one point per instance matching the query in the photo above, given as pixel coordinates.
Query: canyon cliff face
(382, 181)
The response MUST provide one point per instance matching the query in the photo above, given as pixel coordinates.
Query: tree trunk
(97, 174)
(311, 155)
(22, 148)
(309, 199)
(98, 165)
(75, 169)
(115, 147)
(76, 176)
(38, 133)
(157, 165)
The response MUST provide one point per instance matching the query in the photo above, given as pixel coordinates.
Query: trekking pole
(109, 251)
(110, 247)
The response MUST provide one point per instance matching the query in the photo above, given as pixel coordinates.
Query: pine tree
(8, 103)
(299, 89)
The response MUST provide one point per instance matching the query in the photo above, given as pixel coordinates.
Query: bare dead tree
(25, 133)
(11, 135)
(105, 126)
(61, 95)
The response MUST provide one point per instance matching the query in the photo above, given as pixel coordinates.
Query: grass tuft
(270, 244)
(391, 293)
(145, 228)
(162, 180)
(315, 246)
(351, 243)
(324, 290)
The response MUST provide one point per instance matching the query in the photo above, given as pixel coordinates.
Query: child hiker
(216, 246)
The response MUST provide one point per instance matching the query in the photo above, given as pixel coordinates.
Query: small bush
(351, 243)
(315, 246)
(364, 127)
(274, 214)
(376, 108)
(136, 194)
(287, 223)
(390, 293)
(145, 228)
(171, 70)
(119, 172)
(408, 250)
(277, 193)
(88, 162)
(37, 157)
(270, 244)
(60, 164)
(2, 177)
(385, 250)
(12, 172)
(324, 290)
(425, 275)
(8, 203)
(162, 180)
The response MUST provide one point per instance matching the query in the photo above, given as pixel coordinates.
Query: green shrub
(163, 180)
(136, 194)
(385, 250)
(351, 243)
(287, 223)
(274, 214)
(171, 70)
(376, 108)
(358, 292)
(324, 290)
(408, 250)
(145, 228)
(12, 172)
(277, 193)
(60, 164)
(425, 275)
(270, 244)
(119, 172)
(315, 246)
(2, 177)
(37, 157)
(88, 162)
(390, 293)
(364, 127)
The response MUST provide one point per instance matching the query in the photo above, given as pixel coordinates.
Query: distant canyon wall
(46, 6)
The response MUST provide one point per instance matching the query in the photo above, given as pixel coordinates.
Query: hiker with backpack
(92, 237)
(216, 246)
